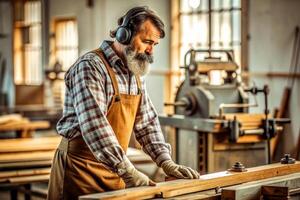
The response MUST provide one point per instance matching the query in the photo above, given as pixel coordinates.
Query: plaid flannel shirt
(88, 94)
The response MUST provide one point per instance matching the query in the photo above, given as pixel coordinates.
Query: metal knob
(237, 167)
(287, 159)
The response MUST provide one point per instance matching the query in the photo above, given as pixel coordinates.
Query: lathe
(213, 125)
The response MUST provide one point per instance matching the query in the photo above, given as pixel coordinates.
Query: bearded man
(105, 101)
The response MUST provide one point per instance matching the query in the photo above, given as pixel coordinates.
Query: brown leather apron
(75, 171)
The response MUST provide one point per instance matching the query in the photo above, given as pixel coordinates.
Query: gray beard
(138, 63)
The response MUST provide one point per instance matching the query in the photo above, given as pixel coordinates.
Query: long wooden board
(244, 191)
(18, 173)
(4, 119)
(24, 125)
(29, 144)
(25, 164)
(29, 179)
(209, 181)
(26, 156)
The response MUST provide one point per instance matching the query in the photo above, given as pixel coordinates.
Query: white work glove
(131, 176)
(179, 171)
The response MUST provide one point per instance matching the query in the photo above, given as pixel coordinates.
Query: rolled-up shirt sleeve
(148, 131)
(86, 84)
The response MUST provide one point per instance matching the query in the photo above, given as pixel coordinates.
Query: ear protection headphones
(124, 32)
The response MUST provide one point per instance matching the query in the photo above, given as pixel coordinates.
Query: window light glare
(215, 77)
(194, 3)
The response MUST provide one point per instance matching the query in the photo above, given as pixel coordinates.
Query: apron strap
(139, 84)
(112, 74)
(110, 71)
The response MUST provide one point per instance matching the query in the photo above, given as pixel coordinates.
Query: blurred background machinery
(213, 125)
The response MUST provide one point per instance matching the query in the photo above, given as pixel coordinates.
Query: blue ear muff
(123, 35)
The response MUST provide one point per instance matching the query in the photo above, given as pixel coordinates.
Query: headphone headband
(132, 14)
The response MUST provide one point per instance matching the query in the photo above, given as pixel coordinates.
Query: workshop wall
(95, 22)
(272, 26)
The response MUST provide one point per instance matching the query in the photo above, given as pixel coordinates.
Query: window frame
(56, 21)
(21, 31)
(175, 37)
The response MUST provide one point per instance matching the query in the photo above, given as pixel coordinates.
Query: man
(105, 102)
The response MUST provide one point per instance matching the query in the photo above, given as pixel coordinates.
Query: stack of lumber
(15, 122)
(29, 159)
(26, 160)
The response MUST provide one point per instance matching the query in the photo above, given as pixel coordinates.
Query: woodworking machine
(214, 128)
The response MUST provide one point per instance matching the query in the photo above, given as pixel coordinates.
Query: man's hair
(137, 20)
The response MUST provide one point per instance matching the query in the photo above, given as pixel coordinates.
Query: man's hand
(131, 176)
(179, 171)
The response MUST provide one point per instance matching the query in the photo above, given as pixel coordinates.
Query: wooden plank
(17, 173)
(29, 144)
(271, 74)
(25, 164)
(204, 67)
(9, 118)
(252, 190)
(284, 104)
(24, 124)
(245, 37)
(227, 179)
(30, 179)
(206, 182)
(26, 156)
(203, 195)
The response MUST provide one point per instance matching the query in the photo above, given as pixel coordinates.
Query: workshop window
(66, 42)
(210, 24)
(64, 48)
(27, 42)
